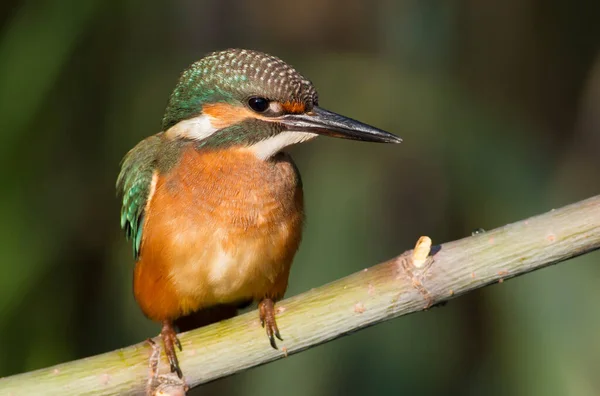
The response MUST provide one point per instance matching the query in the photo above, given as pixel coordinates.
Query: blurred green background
(498, 104)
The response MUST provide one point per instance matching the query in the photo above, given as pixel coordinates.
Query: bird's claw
(266, 309)
(167, 384)
(170, 340)
(153, 361)
(175, 367)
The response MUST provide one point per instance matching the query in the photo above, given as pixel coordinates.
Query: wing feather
(134, 186)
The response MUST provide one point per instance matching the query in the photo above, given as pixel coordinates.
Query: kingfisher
(213, 206)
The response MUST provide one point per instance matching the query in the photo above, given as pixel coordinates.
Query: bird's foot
(167, 384)
(266, 309)
(170, 340)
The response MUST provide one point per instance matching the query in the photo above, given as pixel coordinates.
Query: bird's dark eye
(258, 104)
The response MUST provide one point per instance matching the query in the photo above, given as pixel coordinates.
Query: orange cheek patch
(224, 114)
(293, 107)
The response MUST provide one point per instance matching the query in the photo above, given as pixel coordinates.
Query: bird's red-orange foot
(170, 340)
(266, 309)
(162, 384)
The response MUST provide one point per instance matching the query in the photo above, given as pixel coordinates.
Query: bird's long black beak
(328, 123)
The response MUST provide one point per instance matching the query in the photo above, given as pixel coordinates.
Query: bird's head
(247, 98)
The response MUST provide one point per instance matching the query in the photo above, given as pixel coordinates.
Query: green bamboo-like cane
(376, 294)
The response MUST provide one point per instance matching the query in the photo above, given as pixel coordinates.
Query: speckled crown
(236, 74)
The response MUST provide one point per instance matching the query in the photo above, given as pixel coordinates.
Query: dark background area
(499, 107)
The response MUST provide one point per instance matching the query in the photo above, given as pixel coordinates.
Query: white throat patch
(197, 128)
(271, 146)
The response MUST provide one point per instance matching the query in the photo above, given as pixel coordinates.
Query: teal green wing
(134, 184)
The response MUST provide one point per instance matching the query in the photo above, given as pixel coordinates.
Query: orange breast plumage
(221, 226)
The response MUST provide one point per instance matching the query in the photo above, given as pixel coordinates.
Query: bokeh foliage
(497, 103)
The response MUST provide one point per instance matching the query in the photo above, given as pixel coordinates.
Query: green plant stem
(376, 294)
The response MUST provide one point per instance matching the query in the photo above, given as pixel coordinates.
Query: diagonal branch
(385, 291)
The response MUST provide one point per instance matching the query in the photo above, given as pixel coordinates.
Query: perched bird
(213, 206)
